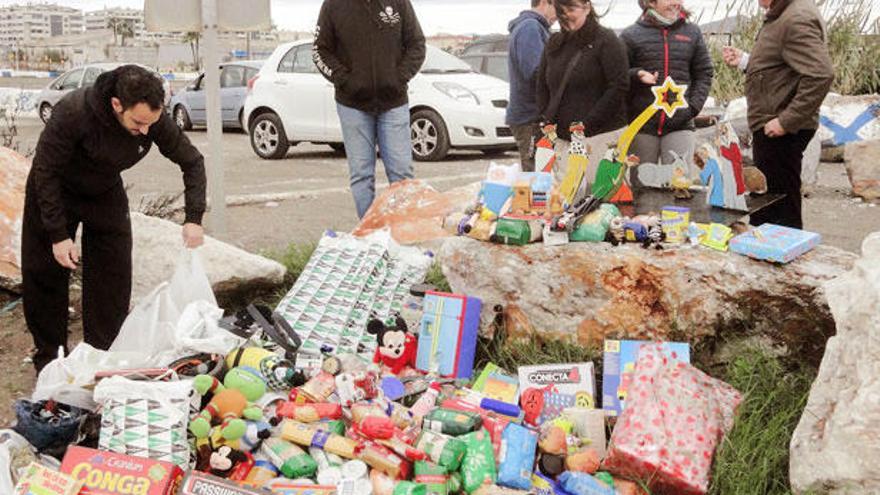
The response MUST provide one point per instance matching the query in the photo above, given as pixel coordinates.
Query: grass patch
(436, 278)
(754, 455)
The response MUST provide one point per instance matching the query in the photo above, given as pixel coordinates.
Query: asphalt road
(290, 200)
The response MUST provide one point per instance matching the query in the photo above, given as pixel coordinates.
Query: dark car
(488, 55)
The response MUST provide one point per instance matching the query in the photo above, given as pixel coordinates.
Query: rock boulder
(863, 167)
(13, 175)
(232, 271)
(587, 292)
(834, 448)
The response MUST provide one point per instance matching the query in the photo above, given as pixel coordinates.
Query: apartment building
(25, 23)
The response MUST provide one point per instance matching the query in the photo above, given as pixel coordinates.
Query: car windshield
(439, 62)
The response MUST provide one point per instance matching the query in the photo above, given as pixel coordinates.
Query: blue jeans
(361, 131)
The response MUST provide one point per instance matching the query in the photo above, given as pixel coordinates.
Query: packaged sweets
(40, 480)
(478, 466)
(434, 477)
(453, 423)
(109, 473)
(441, 449)
(517, 457)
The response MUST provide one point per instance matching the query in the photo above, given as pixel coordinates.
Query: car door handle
(280, 83)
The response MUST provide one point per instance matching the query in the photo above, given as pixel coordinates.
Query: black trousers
(106, 272)
(780, 160)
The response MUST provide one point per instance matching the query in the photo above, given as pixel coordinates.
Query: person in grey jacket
(661, 44)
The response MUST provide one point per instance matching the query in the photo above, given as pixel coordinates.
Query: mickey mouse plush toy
(397, 347)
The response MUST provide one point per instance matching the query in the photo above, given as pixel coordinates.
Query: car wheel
(338, 148)
(430, 141)
(181, 118)
(268, 138)
(45, 112)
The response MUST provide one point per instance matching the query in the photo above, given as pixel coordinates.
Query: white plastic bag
(152, 326)
(65, 379)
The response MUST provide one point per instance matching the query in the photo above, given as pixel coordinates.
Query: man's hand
(648, 78)
(774, 128)
(193, 235)
(66, 254)
(732, 56)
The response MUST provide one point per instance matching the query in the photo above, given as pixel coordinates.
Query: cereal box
(675, 220)
(109, 473)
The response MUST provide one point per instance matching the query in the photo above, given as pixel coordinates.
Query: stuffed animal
(397, 347)
(278, 372)
(232, 400)
(655, 236)
(220, 461)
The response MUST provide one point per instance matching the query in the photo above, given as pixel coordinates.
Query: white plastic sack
(150, 326)
(177, 319)
(65, 378)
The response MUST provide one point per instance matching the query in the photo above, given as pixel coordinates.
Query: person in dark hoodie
(94, 134)
(369, 50)
(661, 44)
(594, 94)
(528, 36)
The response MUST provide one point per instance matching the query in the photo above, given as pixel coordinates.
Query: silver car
(80, 77)
(188, 106)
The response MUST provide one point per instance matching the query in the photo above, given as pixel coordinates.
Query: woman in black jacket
(598, 84)
(663, 43)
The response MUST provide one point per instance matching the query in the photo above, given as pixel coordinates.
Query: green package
(336, 426)
(478, 465)
(409, 488)
(454, 484)
(594, 226)
(513, 231)
(434, 477)
(443, 450)
(451, 422)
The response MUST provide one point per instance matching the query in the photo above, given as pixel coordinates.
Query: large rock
(232, 271)
(414, 211)
(834, 448)
(13, 175)
(863, 167)
(587, 292)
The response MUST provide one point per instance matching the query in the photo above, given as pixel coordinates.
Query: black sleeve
(413, 44)
(702, 73)
(615, 66)
(324, 49)
(54, 150)
(542, 91)
(631, 56)
(175, 146)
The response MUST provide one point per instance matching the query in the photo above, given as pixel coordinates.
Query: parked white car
(82, 77)
(452, 107)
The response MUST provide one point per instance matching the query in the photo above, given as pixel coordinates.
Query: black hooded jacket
(595, 93)
(677, 51)
(84, 149)
(369, 50)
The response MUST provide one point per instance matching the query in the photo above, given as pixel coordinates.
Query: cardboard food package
(109, 473)
(775, 243)
(675, 418)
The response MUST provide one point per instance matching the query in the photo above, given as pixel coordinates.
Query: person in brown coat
(788, 74)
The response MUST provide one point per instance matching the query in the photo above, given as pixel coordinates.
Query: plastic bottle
(292, 461)
(426, 402)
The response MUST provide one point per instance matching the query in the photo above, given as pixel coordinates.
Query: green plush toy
(232, 400)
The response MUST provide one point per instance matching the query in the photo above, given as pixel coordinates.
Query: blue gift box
(775, 243)
(448, 334)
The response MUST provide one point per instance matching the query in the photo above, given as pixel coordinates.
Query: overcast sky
(436, 16)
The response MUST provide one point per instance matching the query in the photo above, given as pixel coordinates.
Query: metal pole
(214, 153)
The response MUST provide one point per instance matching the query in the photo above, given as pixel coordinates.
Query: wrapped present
(448, 334)
(774, 243)
(109, 473)
(676, 416)
(618, 367)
